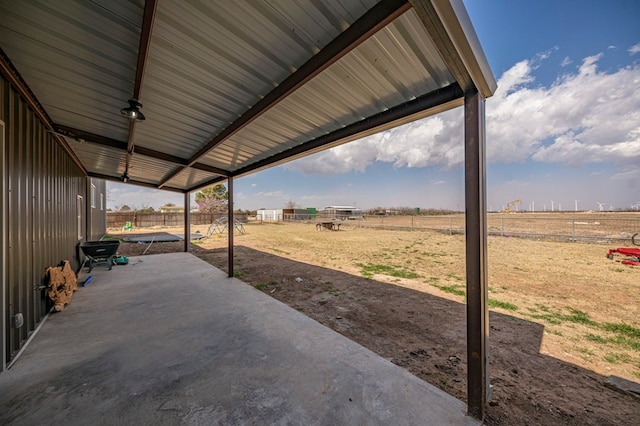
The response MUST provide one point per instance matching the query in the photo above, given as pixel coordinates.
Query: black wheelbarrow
(100, 251)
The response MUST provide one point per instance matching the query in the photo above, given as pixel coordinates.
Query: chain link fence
(587, 228)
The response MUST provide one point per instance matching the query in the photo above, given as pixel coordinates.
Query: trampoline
(160, 238)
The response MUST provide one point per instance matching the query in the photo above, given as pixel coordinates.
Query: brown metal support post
(230, 223)
(187, 221)
(478, 388)
(3, 254)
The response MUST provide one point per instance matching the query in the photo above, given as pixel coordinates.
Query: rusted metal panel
(40, 189)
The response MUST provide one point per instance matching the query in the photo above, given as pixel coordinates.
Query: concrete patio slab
(169, 339)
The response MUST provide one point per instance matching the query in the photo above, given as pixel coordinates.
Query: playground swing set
(219, 226)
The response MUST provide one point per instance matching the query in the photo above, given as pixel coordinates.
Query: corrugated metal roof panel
(100, 159)
(369, 80)
(189, 177)
(147, 169)
(248, 49)
(209, 63)
(78, 60)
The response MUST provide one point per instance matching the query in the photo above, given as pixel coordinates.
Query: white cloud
(269, 194)
(634, 49)
(631, 173)
(585, 116)
(566, 61)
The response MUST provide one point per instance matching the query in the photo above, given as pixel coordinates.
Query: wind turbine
(551, 205)
(600, 206)
(576, 201)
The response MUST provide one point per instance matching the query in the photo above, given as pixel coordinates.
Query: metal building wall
(96, 208)
(41, 190)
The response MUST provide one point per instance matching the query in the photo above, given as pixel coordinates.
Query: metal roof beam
(131, 181)
(81, 135)
(433, 102)
(397, 115)
(449, 26)
(368, 24)
(143, 52)
(14, 77)
(438, 33)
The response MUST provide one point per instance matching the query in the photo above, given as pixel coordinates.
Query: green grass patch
(615, 358)
(264, 286)
(331, 289)
(577, 316)
(622, 328)
(595, 338)
(238, 274)
(550, 318)
(370, 269)
(574, 316)
(585, 351)
(493, 303)
(626, 342)
(280, 251)
(454, 277)
(452, 289)
(429, 254)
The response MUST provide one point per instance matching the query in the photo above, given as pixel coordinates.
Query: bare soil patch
(563, 316)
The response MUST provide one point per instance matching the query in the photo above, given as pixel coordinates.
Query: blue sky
(564, 125)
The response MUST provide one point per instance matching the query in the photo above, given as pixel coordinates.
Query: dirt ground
(398, 293)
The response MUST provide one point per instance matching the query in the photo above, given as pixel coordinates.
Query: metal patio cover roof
(232, 87)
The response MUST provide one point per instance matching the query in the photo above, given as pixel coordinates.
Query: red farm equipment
(633, 254)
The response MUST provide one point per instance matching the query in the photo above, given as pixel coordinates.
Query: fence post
(450, 225)
(412, 223)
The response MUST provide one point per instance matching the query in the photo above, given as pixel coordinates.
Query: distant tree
(146, 209)
(404, 210)
(122, 208)
(291, 205)
(212, 199)
(170, 205)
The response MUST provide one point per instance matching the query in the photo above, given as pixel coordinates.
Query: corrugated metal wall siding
(96, 209)
(42, 184)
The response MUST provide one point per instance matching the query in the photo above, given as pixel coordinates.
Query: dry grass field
(564, 317)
